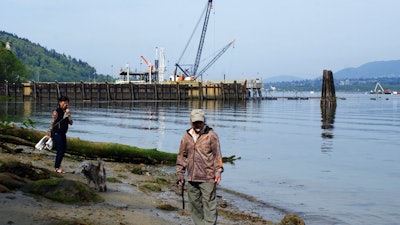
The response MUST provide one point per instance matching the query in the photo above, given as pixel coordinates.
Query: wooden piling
(328, 100)
(328, 87)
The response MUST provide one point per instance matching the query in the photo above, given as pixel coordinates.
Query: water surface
(338, 167)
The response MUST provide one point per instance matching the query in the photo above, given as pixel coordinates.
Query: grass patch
(64, 191)
(137, 170)
(161, 181)
(150, 187)
(113, 180)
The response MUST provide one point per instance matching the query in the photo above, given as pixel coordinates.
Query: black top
(61, 123)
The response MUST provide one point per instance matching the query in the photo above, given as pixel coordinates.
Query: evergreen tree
(12, 70)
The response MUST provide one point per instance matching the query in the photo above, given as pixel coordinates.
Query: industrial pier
(90, 91)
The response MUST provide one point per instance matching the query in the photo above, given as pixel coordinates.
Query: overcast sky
(284, 37)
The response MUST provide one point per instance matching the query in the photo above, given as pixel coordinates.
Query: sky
(272, 38)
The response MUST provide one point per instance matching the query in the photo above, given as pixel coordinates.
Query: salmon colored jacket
(202, 159)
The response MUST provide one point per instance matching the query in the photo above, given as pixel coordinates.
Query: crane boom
(203, 35)
(193, 72)
(215, 58)
(150, 68)
(145, 61)
(191, 36)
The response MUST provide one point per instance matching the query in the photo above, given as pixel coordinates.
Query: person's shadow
(328, 111)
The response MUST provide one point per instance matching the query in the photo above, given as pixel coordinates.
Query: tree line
(24, 61)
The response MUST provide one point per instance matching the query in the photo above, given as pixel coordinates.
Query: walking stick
(182, 185)
(183, 197)
(212, 192)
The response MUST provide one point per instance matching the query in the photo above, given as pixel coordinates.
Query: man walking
(200, 154)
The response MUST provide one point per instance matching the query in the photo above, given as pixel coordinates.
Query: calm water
(343, 170)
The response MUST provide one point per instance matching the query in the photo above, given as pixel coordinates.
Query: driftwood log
(230, 159)
(16, 140)
(90, 150)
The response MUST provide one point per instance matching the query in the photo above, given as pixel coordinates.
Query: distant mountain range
(377, 69)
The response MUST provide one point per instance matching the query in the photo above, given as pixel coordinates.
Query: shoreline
(125, 202)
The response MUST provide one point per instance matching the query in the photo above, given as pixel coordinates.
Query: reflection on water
(328, 110)
(329, 163)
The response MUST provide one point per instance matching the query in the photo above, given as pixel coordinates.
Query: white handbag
(49, 144)
(44, 144)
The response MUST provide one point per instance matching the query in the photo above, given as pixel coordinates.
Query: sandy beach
(125, 201)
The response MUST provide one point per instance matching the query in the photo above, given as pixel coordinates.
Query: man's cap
(197, 115)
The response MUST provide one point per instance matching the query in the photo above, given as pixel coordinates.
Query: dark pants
(60, 141)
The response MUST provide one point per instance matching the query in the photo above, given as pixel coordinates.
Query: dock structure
(253, 89)
(84, 91)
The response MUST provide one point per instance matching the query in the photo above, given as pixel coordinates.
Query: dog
(96, 174)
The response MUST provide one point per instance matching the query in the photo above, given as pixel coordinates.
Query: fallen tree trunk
(87, 149)
(16, 140)
(93, 150)
(8, 149)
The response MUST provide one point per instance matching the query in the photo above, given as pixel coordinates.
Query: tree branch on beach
(92, 150)
(88, 149)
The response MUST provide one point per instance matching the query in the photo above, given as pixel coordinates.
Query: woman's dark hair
(63, 99)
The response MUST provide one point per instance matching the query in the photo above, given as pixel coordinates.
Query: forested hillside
(12, 69)
(47, 65)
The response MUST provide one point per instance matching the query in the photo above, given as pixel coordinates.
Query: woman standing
(61, 119)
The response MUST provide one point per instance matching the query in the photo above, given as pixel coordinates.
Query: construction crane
(378, 85)
(149, 66)
(215, 59)
(193, 73)
(201, 43)
(203, 36)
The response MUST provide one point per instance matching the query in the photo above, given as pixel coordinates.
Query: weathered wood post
(58, 90)
(201, 97)
(83, 91)
(178, 91)
(48, 92)
(328, 103)
(33, 86)
(236, 89)
(91, 91)
(99, 88)
(75, 91)
(328, 87)
(215, 91)
(132, 91)
(155, 96)
(222, 91)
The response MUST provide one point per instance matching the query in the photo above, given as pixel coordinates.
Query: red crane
(151, 68)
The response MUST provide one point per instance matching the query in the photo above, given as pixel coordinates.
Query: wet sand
(125, 201)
